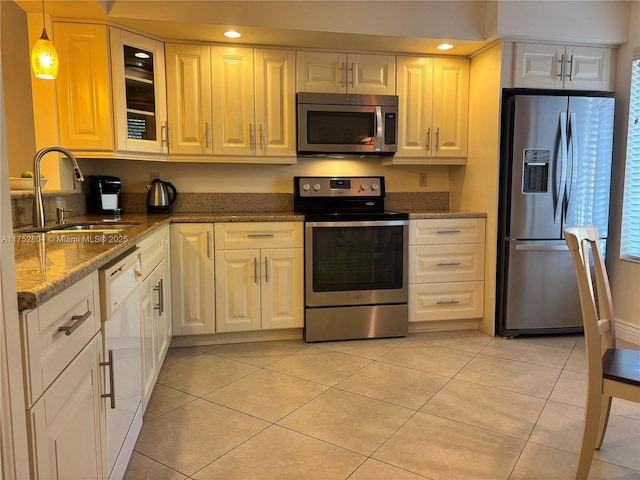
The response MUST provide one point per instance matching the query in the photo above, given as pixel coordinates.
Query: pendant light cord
(43, 14)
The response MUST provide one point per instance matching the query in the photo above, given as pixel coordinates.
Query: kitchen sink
(89, 227)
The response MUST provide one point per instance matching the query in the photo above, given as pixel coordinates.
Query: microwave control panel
(339, 187)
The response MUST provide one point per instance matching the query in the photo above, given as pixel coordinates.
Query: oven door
(345, 129)
(356, 263)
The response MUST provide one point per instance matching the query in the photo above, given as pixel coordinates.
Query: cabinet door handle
(159, 288)
(252, 140)
(353, 75)
(448, 264)
(112, 383)
(342, 73)
(208, 247)
(445, 232)
(206, 135)
(428, 142)
(164, 133)
(447, 302)
(561, 62)
(262, 143)
(437, 139)
(260, 235)
(255, 269)
(77, 321)
(266, 269)
(570, 62)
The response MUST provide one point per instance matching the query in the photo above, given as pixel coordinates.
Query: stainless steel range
(355, 259)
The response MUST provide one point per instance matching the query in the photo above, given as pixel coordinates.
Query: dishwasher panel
(120, 301)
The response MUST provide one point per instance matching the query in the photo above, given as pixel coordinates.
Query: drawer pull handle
(77, 321)
(260, 235)
(448, 264)
(441, 232)
(447, 302)
(112, 382)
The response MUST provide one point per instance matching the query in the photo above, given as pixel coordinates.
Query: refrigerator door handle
(541, 248)
(573, 135)
(563, 167)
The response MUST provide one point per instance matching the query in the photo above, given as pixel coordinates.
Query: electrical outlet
(422, 179)
(154, 175)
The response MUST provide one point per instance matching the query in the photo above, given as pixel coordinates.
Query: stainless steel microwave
(339, 124)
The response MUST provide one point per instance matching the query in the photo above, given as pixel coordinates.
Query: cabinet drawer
(446, 231)
(47, 350)
(247, 235)
(153, 250)
(446, 263)
(446, 301)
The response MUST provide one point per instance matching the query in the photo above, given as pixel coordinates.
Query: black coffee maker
(104, 193)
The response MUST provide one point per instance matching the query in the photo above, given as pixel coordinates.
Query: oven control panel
(313, 187)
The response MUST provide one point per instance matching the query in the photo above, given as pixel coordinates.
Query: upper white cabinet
(111, 93)
(562, 66)
(85, 112)
(253, 102)
(259, 276)
(192, 287)
(330, 72)
(139, 91)
(433, 111)
(189, 99)
(237, 104)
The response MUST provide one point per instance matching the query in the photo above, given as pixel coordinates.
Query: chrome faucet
(38, 208)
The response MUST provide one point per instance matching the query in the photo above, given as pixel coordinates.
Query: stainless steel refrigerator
(555, 172)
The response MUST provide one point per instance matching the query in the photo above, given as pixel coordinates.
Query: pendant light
(44, 58)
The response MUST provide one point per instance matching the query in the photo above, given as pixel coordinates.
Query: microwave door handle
(378, 145)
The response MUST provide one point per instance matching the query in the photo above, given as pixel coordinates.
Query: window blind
(630, 235)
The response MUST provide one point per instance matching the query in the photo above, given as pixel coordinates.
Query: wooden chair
(611, 372)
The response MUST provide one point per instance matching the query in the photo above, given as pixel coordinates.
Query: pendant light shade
(44, 58)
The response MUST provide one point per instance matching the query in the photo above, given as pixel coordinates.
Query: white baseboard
(628, 331)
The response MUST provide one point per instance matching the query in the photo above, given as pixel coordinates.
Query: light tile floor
(441, 405)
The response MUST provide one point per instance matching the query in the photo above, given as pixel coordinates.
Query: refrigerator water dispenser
(536, 171)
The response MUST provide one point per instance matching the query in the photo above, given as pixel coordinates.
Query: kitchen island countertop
(46, 264)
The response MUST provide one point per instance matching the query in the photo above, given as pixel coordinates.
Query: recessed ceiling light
(232, 34)
(445, 46)
(141, 55)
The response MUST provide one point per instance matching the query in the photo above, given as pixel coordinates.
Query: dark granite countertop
(48, 263)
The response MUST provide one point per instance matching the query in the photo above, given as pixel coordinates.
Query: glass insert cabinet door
(139, 92)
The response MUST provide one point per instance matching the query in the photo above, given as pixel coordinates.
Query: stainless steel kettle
(160, 196)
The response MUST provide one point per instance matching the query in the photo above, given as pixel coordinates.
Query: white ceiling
(393, 26)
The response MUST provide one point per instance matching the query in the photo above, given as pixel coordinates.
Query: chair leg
(605, 408)
(589, 432)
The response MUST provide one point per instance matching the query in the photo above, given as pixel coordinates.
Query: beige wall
(252, 178)
(598, 21)
(474, 187)
(625, 276)
(16, 79)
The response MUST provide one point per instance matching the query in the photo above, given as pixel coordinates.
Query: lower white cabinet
(67, 423)
(258, 287)
(155, 308)
(446, 269)
(62, 347)
(192, 285)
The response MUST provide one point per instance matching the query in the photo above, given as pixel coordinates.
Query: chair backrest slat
(595, 296)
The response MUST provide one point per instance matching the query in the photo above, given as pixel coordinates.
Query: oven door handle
(358, 223)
